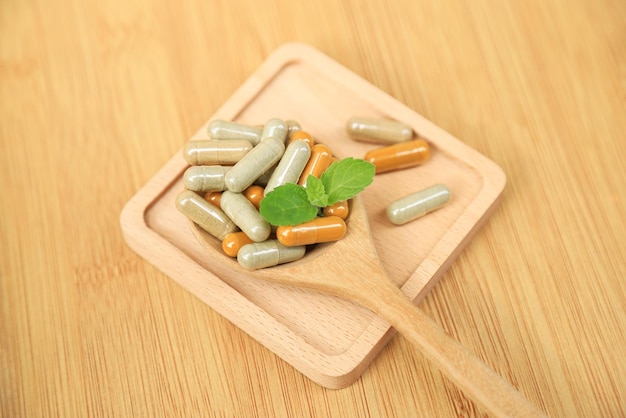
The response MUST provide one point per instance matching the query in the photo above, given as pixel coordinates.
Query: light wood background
(96, 96)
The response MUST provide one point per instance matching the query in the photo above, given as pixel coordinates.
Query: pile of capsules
(231, 172)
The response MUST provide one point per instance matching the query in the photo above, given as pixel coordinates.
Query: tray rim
(329, 370)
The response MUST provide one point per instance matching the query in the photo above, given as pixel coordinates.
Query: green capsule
(207, 216)
(256, 162)
(223, 129)
(292, 126)
(202, 178)
(275, 128)
(215, 152)
(418, 204)
(378, 130)
(267, 254)
(243, 213)
(265, 177)
(290, 165)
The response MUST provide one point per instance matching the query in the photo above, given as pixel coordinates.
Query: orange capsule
(324, 229)
(320, 159)
(301, 136)
(213, 197)
(233, 242)
(399, 156)
(254, 194)
(340, 209)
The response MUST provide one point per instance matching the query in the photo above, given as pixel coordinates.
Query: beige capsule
(378, 130)
(215, 152)
(256, 162)
(290, 166)
(275, 128)
(243, 213)
(223, 129)
(207, 216)
(267, 254)
(203, 178)
(292, 126)
(265, 177)
(418, 204)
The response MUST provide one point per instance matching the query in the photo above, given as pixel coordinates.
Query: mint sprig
(292, 204)
(287, 204)
(346, 178)
(315, 192)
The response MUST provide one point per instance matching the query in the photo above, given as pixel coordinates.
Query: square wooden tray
(328, 339)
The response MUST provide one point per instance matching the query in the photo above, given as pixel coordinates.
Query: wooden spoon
(350, 269)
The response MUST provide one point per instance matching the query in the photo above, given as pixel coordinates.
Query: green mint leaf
(287, 204)
(315, 192)
(346, 178)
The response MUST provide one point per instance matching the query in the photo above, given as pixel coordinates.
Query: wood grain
(95, 98)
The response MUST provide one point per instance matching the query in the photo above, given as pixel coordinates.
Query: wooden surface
(95, 98)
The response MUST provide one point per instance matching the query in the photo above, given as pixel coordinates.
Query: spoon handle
(461, 366)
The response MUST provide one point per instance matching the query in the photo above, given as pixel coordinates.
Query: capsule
(265, 177)
(320, 159)
(377, 130)
(223, 129)
(245, 216)
(290, 165)
(213, 198)
(399, 156)
(233, 242)
(418, 204)
(341, 209)
(215, 152)
(292, 127)
(301, 136)
(267, 254)
(254, 194)
(324, 229)
(207, 216)
(202, 178)
(256, 162)
(275, 128)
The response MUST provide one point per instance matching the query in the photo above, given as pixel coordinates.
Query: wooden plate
(329, 340)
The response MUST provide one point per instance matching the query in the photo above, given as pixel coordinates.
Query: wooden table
(96, 97)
